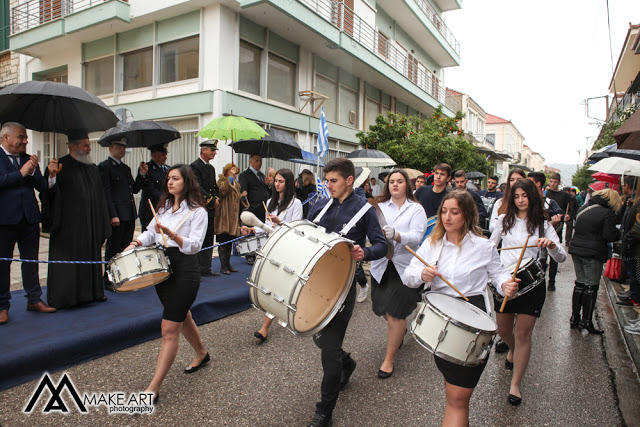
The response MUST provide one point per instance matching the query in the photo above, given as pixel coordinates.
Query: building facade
(9, 61)
(276, 62)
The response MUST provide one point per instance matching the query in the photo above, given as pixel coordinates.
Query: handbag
(613, 268)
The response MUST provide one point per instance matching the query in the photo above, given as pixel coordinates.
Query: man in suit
(255, 184)
(119, 188)
(152, 182)
(20, 216)
(206, 175)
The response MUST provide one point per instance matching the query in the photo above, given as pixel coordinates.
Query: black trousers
(553, 266)
(121, 236)
(204, 257)
(333, 356)
(27, 236)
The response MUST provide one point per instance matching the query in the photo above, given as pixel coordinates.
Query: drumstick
(443, 279)
(515, 247)
(515, 273)
(166, 245)
(267, 211)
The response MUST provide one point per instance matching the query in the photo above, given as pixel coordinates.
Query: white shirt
(516, 237)
(375, 190)
(494, 214)
(467, 267)
(410, 221)
(192, 231)
(292, 213)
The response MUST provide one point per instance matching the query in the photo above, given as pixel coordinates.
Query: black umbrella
(140, 134)
(627, 154)
(277, 144)
(475, 175)
(370, 157)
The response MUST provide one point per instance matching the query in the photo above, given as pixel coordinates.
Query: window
(98, 76)
(372, 109)
(327, 87)
(281, 80)
(383, 45)
(137, 69)
(348, 107)
(491, 138)
(249, 70)
(179, 60)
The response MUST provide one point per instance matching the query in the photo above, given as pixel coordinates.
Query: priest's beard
(82, 157)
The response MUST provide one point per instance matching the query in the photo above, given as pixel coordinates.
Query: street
(572, 379)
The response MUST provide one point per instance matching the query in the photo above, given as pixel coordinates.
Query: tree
(582, 178)
(421, 144)
(605, 138)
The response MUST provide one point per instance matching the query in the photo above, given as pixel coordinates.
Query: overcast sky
(535, 62)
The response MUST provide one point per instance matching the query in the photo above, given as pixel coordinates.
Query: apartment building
(273, 61)
(625, 82)
(507, 139)
(9, 61)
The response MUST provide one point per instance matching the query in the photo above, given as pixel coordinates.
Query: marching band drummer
(500, 205)
(283, 206)
(406, 224)
(525, 215)
(458, 251)
(183, 219)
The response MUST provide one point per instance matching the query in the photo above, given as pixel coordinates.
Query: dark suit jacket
(119, 189)
(206, 175)
(151, 187)
(257, 192)
(17, 198)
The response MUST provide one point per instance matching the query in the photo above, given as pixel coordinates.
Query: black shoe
(209, 273)
(384, 375)
(321, 420)
(590, 327)
(250, 260)
(231, 269)
(102, 298)
(515, 400)
(225, 272)
(501, 347)
(191, 369)
(347, 371)
(261, 338)
(156, 397)
(552, 286)
(508, 365)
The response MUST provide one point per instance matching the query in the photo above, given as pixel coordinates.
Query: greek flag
(323, 135)
(321, 189)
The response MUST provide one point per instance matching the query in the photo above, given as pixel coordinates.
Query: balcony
(355, 37)
(36, 22)
(422, 22)
(447, 5)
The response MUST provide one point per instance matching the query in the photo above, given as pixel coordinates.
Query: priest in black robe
(79, 223)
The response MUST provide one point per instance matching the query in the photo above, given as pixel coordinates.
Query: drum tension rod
(280, 299)
(290, 270)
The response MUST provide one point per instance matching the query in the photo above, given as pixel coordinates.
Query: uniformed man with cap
(206, 175)
(119, 188)
(152, 182)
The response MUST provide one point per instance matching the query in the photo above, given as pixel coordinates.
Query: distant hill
(566, 172)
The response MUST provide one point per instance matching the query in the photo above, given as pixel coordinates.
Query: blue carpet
(34, 343)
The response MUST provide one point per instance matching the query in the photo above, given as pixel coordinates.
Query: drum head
(525, 261)
(143, 282)
(327, 282)
(461, 311)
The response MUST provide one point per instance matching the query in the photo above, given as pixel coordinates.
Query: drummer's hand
(510, 288)
(543, 242)
(357, 253)
(567, 218)
(556, 219)
(128, 247)
(429, 274)
(143, 169)
(167, 231)
(274, 219)
(245, 231)
(115, 221)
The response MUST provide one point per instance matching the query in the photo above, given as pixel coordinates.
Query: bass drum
(302, 276)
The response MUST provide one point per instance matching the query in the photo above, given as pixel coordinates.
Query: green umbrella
(232, 128)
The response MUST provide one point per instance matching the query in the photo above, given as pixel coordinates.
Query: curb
(623, 315)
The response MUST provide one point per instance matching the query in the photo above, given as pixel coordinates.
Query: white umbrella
(617, 165)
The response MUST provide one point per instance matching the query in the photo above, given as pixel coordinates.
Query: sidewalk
(624, 315)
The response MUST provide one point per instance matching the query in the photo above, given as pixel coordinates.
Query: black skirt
(530, 303)
(458, 375)
(391, 296)
(178, 293)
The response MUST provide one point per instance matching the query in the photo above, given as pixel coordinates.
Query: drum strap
(183, 220)
(363, 210)
(322, 212)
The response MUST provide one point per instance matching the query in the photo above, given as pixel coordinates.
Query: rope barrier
(311, 197)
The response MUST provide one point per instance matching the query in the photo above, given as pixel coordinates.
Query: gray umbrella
(140, 134)
(370, 157)
(475, 175)
(277, 144)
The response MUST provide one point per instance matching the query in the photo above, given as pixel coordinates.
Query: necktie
(261, 176)
(16, 162)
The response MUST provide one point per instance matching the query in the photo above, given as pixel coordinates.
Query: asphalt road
(571, 380)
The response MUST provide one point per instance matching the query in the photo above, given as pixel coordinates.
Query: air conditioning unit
(352, 117)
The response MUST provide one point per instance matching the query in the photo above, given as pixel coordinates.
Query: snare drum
(251, 244)
(302, 276)
(454, 330)
(530, 273)
(138, 268)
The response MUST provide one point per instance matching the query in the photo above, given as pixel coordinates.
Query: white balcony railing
(342, 17)
(431, 13)
(32, 13)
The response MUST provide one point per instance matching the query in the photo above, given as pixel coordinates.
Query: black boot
(230, 251)
(588, 305)
(224, 253)
(578, 291)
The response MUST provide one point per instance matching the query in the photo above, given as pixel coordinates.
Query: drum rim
(118, 285)
(136, 249)
(459, 323)
(446, 357)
